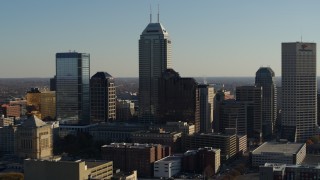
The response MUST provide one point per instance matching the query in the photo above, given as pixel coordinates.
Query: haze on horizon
(210, 38)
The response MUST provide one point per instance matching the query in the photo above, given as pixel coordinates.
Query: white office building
(274, 152)
(167, 167)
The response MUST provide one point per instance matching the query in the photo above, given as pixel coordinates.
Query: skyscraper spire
(158, 14)
(150, 14)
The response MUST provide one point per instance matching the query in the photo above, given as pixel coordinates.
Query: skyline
(218, 36)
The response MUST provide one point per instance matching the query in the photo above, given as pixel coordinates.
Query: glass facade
(72, 88)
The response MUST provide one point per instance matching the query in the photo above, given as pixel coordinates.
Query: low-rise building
(285, 171)
(114, 132)
(184, 127)
(22, 103)
(120, 175)
(65, 130)
(7, 139)
(34, 139)
(275, 152)
(133, 156)
(159, 136)
(71, 170)
(6, 121)
(204, 160)
(225, 142)
(167, 167)
(11, 110)
(242, 144)
(125, 110)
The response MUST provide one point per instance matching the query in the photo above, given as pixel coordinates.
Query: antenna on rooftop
(158, 13)
(150, 14)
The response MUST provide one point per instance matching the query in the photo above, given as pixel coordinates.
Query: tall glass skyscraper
(154, 58)
(299, 91)
(265, 78)
(72, 88)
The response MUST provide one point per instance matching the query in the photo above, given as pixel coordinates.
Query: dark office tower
(53, 83)
(206, 107)
(218, 99)
(178, 99)
(154, 58)
(265, 78)
(299, 91)
(233, 114)
(103, 98)
(252, 95)
(73, 89)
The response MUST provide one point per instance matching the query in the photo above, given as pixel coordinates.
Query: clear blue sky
(210, 38)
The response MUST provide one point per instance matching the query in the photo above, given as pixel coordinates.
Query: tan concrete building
(125, 175)
(33, 102)
(242, 146)
(67, 170)
(34, 139)
(6, 121)
(48, 104)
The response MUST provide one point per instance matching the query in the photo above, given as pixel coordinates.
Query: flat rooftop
(170, 158)
(281, 148)
(92, 164)
(130, 145)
